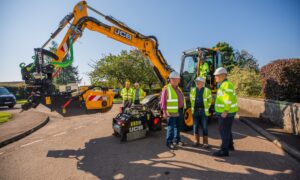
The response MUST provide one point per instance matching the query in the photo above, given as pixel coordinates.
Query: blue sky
(268, 29)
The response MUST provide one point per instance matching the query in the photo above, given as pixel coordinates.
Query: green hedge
(281, 80)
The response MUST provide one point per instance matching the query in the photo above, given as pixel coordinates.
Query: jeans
(225, 125)
(199, 117)
(174, 127)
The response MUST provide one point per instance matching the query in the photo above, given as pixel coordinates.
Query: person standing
(138, 94)
(172, 104)
(225, 109)
(127, 94)
(200, 97)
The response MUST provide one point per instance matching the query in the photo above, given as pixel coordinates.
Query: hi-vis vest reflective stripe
(172, 100)
(141, 94)
(127, 94)
(226, 99)
(207, 99)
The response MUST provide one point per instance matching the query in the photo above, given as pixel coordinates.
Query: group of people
(173, 104)
(132, 95)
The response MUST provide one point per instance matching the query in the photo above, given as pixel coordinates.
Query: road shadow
(107, 158)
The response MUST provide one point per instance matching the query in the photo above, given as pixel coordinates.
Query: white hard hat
(201, 79)
(136, 83)
(220, 70)
(174, 75)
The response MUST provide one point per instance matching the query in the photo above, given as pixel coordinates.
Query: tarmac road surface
(82, 147)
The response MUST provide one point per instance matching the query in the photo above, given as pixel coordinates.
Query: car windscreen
(4, 91)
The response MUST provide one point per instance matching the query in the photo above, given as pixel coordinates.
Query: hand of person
(165, 114)
(224, 114)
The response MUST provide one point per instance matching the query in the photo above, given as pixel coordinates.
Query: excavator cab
(189, 71)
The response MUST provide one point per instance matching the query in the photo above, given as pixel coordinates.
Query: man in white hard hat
(225, 109)
(200, 97)
(172, 104)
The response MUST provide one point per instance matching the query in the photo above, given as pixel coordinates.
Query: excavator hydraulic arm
(39, 75)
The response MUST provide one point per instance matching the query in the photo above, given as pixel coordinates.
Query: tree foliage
(247, 82)
(115, 70)
(232, 58)
(227, 53)
(243, 59)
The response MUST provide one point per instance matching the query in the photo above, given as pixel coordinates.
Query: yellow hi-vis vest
(203, 70)
(206, 99)
(127, 94)
(226, 99)
(172, 100)
(141, 94)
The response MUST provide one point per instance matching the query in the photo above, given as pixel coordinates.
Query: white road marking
(78, 127)
(59, 134)
(24, 145)
(239, 133)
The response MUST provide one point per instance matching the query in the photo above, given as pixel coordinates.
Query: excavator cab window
(189, 67)
(188, 72)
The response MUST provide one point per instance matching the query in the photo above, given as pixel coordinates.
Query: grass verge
(4, 117)
(21, 101)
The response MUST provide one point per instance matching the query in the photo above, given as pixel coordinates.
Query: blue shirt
(137, 94)
(199, 98)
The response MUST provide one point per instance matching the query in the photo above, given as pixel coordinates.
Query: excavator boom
(119, 31)
(38, 76)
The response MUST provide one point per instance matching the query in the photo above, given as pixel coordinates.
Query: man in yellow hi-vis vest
(172, 104)
(201, 99)
(203, 67)
(138, 94)
(127, 94)
(225, 109)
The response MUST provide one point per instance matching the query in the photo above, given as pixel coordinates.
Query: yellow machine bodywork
(94, 99)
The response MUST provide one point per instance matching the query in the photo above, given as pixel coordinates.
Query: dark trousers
(136, 101)
(174, 127)
(199, 118)
(225, 125)
(126, 103)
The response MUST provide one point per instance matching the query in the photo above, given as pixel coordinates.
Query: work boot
(231, 148)
(171, 146)
(197, 141)
(205, 142)
(221, 153)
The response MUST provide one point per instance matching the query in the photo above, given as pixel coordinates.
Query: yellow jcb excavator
(38, 75)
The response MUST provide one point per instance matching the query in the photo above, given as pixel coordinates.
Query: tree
(245, 60)
(117, 69)
(227, 53)
(67, 75)
(247, 82)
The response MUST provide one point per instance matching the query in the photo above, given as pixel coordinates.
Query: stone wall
(283, 114)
